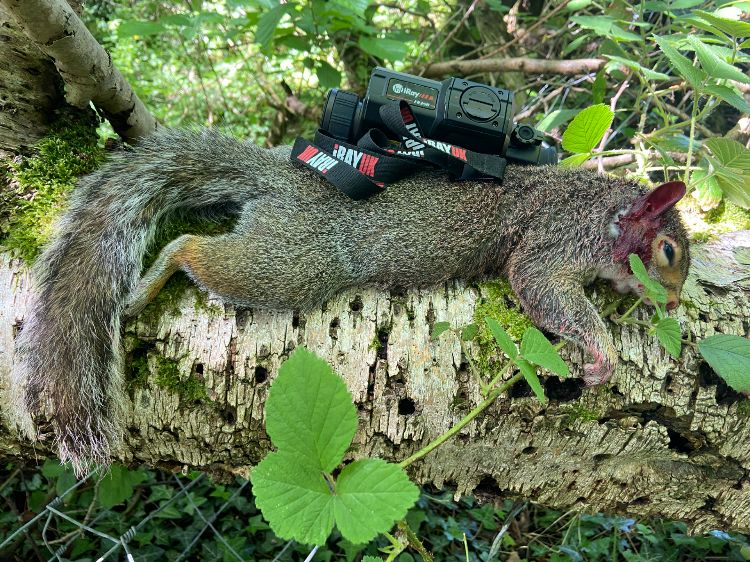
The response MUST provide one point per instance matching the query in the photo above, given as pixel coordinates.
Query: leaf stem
(630, 310)
(464, 421)
(414, 541)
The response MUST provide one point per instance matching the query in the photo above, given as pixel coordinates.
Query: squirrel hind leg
(175, 255)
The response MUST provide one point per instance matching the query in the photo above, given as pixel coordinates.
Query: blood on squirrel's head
(652, 229)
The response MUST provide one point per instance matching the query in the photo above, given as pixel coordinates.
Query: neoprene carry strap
(364, 169)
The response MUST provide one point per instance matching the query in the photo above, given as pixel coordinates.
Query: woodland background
(260, 70)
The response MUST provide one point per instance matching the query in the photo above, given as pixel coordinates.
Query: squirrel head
(652, 229)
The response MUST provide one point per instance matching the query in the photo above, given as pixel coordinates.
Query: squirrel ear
(659, 200)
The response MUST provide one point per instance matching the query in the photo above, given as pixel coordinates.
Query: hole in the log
(398, 291)
(520, 390)
(668, 384)
(528, 450)
(295, 319)
(641, 500)
(357, 304)
(581, 499)
(710, 503)
(199, 368)
(563, 390)
(486, 486)
(333, 328)
(136, 372)
(261, 374)
(406, 406)
(383, 334)
(242, 317)
(229, 414)
(601, 457)
(614, 389)
(678, 442)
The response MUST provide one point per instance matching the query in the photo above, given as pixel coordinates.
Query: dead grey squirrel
(299, 241)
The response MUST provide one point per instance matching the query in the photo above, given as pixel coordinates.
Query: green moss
(38, 185)
(743, 409)
(576, 412)
(168, 376)
(729, 215)
(499, 302)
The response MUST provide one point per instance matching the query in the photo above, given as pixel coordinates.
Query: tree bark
(664, 438)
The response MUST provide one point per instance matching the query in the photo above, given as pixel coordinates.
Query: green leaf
(587, 129)
(294, 498)
(730, 153)
(575, 160)
(669, 334)
(529, 373)
(439, 328)
(653, 289)
(468, 333)
(269, 21)
(713, 64)
(555, 118)
(735, 28)
(729, 95)
(371, 495)
(117, 485)
(647, 73)
(328, 77)
(309, 411)
(139, 28)
(729, 356)
(606, 26)
(683, 65)
(538, 350)
(369, 558)
(599, 87)
(707, 192)
(388, 49)
(502, 338)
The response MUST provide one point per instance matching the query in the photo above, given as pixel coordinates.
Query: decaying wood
(84, 65)
(664, 438)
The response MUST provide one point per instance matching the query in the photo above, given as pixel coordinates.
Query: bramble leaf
(653, 289)
(502, 338)
(439, 328)
(469, 331)
(309, 411)
(729, 356)
(587, 128)
(538, 350)
(371, 495)
(694, 75)
(669, 334)
(294, 498)
(529, 373)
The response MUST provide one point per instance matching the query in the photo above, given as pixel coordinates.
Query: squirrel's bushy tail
(68, 362)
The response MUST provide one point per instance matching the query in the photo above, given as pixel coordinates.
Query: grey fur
(298, 242)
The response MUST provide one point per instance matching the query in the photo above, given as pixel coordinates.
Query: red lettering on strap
(367, 165)
(308, 153)
(458, 152)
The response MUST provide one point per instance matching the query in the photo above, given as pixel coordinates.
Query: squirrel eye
(668, 252)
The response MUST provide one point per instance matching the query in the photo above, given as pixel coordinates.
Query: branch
(517, 64)
(86, 68)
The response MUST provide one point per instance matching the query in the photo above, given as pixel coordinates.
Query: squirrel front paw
(601, 369)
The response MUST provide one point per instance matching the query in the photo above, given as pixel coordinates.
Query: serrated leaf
(735, 28)
(555, 118)
(669, 334)
(269, 21)
(729, 356)
(371, 495)
(730, 153)
(502, 338)
(369, 558)
(309, 411)
(294, 498)
(587, 128)
(694, 75)
(529, 373)
(707, 192)
(328, 77)
(439, 328)
(575, 160)
(388, 49)
(606, 26)
(713, 64)
(117, 485)
(647, 73)
(469, 331)
(538, 350)
(729, 95)
(653, 289)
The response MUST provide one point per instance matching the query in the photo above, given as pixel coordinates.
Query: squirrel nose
(671, 305)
